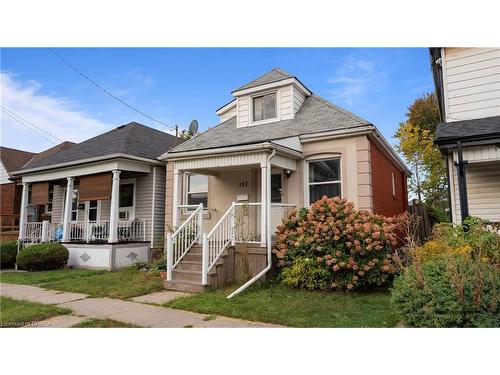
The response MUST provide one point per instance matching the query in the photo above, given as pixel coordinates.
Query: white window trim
(317, 158)
(87, 209)
(130, 209)
(48, 202)
(185, 192)
(268, 120)
(393, 185)
(77, 203)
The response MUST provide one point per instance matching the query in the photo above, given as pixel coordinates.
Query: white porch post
(263, 202)
(67, 209)
(175, 198)
(22, 214)
(113, 216)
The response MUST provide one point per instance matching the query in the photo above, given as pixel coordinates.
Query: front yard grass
(124, 284)
(295, 308)
(103, 323)
(15, 313)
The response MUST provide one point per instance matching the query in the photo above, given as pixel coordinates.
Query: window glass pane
(258, 108)
(127, 195)
(324, 170)
(197, 183)
(270, 106)
(264, 107)
(197, 198)
(316, 192)
(93, 204)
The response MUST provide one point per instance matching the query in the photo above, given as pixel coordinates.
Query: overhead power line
(106, 91)
(30, 128)
(30, 123)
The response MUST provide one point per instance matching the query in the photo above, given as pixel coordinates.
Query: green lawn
(296, 308)
(15, 313)
(123, 284)
(103, 323)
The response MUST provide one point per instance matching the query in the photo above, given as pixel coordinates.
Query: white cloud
(358, 75)
(58, 116)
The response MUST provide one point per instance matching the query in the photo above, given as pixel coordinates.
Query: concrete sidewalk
(124, 311)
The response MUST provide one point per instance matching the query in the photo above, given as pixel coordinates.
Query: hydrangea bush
(332, 245)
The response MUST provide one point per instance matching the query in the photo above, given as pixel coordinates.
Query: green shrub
(451, 291)
(8, 253)
(44, 256)
(331, 245)
(304, 273)
(484, 243)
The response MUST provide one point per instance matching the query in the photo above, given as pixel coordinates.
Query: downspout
(462, 183)
(450, 213)
(268, 231)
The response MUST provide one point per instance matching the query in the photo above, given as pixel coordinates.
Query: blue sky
(178, 85)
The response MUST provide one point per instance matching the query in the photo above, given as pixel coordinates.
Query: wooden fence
(424, 224)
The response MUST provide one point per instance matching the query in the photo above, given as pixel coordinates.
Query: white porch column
(22, 214)
(263, 203)
(67, 209)
(175, 198)
(113, 215)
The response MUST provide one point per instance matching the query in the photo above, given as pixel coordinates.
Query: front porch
(108, 220)
(220, 203)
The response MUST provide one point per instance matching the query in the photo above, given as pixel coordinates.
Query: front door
(276, 191)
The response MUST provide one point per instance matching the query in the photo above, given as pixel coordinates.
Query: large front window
(264, 107)
(197, 189)
(324, 179)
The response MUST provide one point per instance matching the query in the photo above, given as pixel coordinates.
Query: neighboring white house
(103, 198)
(467, 82)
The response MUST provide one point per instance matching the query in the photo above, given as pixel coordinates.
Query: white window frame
(185, 185)
(87, 209)
(129, 209)
(77, 203)
(393, 185)
(49, 202)
(278, 107)
(317, 158)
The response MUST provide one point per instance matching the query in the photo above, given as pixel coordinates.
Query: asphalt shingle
(468, 129)
(315, 115)
(132, 139)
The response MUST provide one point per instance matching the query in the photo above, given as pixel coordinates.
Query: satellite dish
(193, 127)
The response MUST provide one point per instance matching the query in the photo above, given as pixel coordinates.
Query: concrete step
(186, 275)
(195, 249)
(188, 265)
(184, 286)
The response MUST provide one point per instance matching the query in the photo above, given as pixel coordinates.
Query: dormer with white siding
(273, 97)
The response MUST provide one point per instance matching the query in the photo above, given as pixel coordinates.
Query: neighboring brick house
(277, 147)
(10, 192)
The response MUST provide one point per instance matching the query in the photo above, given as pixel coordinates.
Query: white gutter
(268, 232)
(86, 161)
(231, 149)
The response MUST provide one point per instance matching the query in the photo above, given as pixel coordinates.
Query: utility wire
(30, 128)
(106, 91)
(30, 123)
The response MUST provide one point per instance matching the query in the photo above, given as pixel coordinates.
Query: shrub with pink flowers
(349, 248)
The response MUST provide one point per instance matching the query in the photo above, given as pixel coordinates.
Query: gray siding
(57, 205)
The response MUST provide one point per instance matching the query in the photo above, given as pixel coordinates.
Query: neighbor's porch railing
(86, 231)
(184, 237)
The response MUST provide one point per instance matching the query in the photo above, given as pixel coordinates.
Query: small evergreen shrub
(332, 245)
(43, 256)
(448, 291)
(8, 253)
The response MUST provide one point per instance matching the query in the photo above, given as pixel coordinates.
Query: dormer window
(264, 107)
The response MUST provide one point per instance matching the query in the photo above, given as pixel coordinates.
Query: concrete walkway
(137, 313)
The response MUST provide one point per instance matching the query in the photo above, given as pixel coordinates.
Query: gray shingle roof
(13, 159)
(132, 139)
(467, 129)
(274, 75)
(315, 115)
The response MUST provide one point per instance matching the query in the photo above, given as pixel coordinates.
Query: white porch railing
(33, 232)
(215, 242)
(86, 231)
(179, 242)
